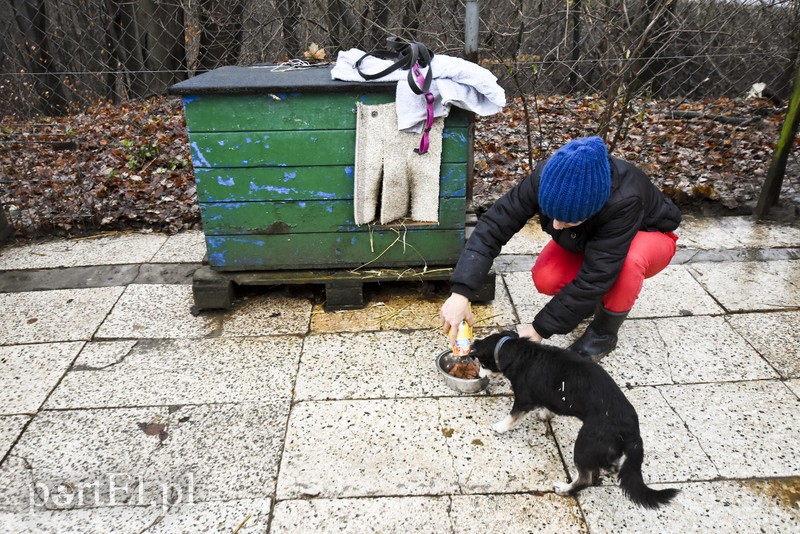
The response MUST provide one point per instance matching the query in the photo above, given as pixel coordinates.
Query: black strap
(405, 55)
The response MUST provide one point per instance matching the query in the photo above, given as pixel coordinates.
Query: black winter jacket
(634, 204)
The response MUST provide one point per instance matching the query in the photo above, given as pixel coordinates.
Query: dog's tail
(631, 482)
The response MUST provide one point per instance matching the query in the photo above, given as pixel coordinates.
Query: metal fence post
(471, 21)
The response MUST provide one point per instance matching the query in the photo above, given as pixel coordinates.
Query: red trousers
(649, 254)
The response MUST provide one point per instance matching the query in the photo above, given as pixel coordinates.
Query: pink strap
(425, 142)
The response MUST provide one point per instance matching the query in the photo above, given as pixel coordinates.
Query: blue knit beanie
(576, 181)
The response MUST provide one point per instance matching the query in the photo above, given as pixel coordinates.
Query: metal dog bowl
(445, 362)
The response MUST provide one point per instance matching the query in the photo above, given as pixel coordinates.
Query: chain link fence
(628, 67)
(60, 56)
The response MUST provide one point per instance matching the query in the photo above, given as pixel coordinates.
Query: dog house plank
(307, 216)
(293, 148)
(300, 183)
(330, 250)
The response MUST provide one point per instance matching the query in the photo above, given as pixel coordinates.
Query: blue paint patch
(338, 252)
(245, 162)
(222, 143)
(348, 171)
(329, 208)
(248, 140)
(324, 194)
(264, 137)
(272, 189)
(217, 258)
(289, 176)
(190, 99)
(301, 204)
(199, 160)
(458, 136)
(314, 139)
(229, 182)
(353, 240)
(266, 145)
(338, 239)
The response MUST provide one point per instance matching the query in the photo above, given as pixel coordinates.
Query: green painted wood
(295, 148)
(297, 217)
(300, 183)
(286, 111)
(335, 251)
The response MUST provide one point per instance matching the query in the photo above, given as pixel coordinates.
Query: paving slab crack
(689, 430)
(449, 449)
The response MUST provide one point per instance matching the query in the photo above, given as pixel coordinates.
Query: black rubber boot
(600, 336)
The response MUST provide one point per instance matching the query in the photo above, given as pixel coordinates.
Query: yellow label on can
(463, 342)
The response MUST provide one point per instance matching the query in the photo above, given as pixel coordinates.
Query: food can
(463, 342)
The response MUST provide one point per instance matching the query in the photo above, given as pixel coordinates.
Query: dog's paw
(505, 424)
(543, 414)
(562, 488)
(501, 427)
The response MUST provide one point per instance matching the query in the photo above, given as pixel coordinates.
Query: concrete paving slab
(707, 349)
(719, 233)
(671, 452)
(355, 516)
(10, 428)
(465, 514)
(222, 517)
(516, 514)
(186, 247)
(673, 293)
(30, 372)
(720, 506)
(146, 456)
(411, 447)
(104, 249)
(166, 273)
(744, 427)
(751, 286)
(67, 278)
(394, 307)
(523, 459)
(58, 315)
(683, 350)
(360, 448)
(526, 300)
(775, 336)
(179, 371)
(794, 386)
(156, 311)
(376, 365)
(530, 240)
(270, 313)
(371, 365)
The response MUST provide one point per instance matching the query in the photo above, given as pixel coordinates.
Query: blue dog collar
(497, 350)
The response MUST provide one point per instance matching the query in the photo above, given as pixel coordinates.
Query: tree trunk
(221, 33)
(290, 18)
(164, 43)
(576, 45)
(771, 190)
(32, 23)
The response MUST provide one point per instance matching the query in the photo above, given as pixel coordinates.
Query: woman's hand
(530, 332)
(454, 310)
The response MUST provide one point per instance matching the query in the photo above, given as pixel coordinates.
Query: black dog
(558, 381)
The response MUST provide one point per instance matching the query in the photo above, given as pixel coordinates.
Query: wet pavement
(120, 411)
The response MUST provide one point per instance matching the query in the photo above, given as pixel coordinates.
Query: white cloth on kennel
(456, 82)
(387, 166)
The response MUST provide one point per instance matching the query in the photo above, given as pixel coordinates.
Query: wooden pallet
(343, 289)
